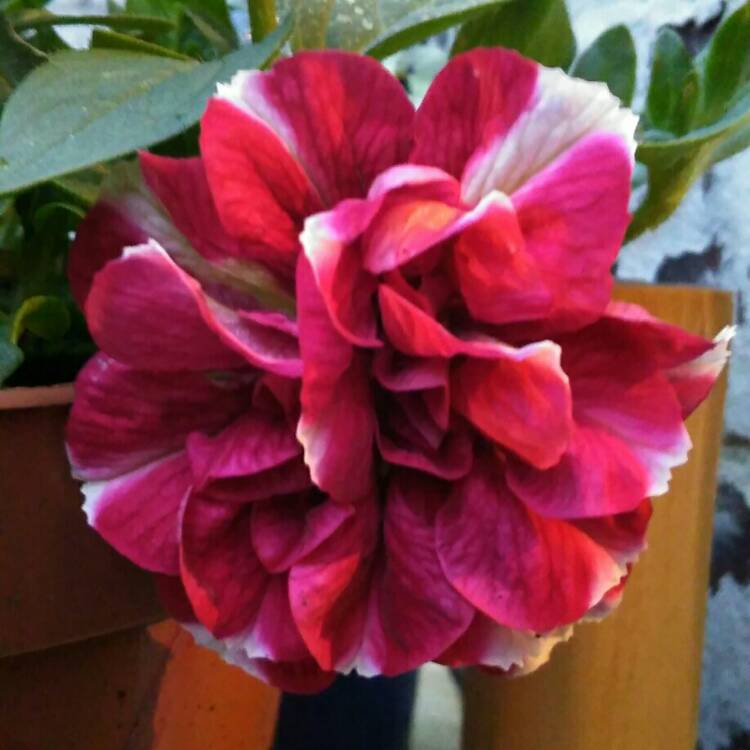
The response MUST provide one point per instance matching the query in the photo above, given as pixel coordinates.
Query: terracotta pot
(82, 664)
(631, 682)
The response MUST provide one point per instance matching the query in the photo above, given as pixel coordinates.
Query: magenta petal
(337, 424)
(573, 216)
(488, 644)
(251, 445)
(224, 579)
(122, 418)
(274, 634)
(520, 400)
(499, 279)
(302, 677)
(343, 116)
(144, 311)
(182, 188)
(285, 529)
(622, 535)
(329, 590)
(597, 475)
(415, 612)
(398, 373)
(328, 241)
(261, 193)
(495, 87)
(520, 569)
(139, 513)
(693, 381)
(100, 237)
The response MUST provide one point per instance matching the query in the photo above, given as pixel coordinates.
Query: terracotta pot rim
(34, 398)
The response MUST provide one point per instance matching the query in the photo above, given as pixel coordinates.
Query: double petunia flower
(363, 398)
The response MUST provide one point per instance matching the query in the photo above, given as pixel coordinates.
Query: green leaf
(90, 107)
(675, 163)
(377, 27)
(726, 64)
(673, 90)
(39, 18)
(539, 29)
(46, 317)
(101, 39)
(17, 57)
(611, 58)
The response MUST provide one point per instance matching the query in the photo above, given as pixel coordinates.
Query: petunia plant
(363, 397)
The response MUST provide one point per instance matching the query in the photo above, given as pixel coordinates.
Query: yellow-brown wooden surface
(140, 689)
(632, 681)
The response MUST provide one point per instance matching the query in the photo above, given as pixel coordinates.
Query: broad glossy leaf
(611, 58)
(674, 163)
(726, 64)
(539, 29)
(377, 27)
(673, 90)
(89, 107)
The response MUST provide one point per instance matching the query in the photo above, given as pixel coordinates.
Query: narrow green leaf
(90, 107)
(674, 86)
(726, 64)
(425, 19)
(17, 57)
(102, 39)
(674, 164)
(46, 317)
(377, 27)
(83, 186)
(611, 58)
(39, 18)
(539, 29)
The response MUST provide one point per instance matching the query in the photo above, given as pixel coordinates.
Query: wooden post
(631, 682)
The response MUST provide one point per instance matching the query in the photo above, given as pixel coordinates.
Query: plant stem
(262, 18)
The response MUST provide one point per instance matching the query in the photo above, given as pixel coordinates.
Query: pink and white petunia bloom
(364, 399)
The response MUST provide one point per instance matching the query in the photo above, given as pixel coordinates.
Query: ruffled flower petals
(656, 341)
(345, 287)
(286, 529)
(182, 188)
(496, 87)
(558, 114)
(415, 613)
(522, 570)
(520, 399)
(488, 644)
(130, 304)
(623, 535)
(499, 280)
(343, 117)
(573, 217)
(337, 423)
(139, 513)
(329, 590)
(693, 381)
(303, 677)
(223, 577)
(261, 193)
(597, 475)
(251, 445)
(100, 238)
(123, 418)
